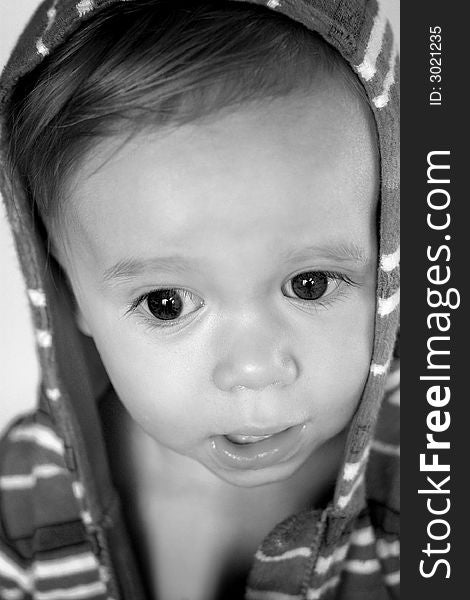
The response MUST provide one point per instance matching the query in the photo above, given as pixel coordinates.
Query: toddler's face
(226, 271)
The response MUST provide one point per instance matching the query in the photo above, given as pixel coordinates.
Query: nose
(254, 360)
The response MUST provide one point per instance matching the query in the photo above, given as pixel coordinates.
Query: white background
(18, 365)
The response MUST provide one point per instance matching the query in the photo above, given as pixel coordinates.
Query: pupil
(165, 304)
(310, 286)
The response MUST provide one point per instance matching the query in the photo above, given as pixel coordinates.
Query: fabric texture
(62, 534)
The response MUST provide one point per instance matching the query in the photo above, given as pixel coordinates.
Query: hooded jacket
(62, 533)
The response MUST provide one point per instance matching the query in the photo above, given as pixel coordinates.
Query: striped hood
(61, 530)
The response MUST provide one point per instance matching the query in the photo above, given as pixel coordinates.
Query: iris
(165, 304)
(310, 286)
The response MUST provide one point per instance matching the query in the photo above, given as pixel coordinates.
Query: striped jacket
(62, 534)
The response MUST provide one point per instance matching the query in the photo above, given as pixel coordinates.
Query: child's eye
(314, 285)
(168, 304)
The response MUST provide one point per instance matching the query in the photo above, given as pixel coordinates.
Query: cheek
(337, 363)
(161, 386)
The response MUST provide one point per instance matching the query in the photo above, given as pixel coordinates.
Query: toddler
(204, 197)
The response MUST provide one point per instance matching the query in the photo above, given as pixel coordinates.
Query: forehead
(297, 170)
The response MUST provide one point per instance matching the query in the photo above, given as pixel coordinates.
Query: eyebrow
(130, 268)
(341, 253)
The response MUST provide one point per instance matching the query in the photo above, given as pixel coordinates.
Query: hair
(149, 64)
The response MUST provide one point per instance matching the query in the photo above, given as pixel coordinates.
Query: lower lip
(277, 448)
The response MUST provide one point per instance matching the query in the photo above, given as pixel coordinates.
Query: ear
(82, 322)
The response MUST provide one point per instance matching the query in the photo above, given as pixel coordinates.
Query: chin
(251, 478)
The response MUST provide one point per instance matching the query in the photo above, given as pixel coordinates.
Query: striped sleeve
(371, 568)
(46, 552)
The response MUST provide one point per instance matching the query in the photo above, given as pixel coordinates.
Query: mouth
(249, 438)
(257, 450)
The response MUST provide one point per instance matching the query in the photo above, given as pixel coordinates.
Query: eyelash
(322, 302)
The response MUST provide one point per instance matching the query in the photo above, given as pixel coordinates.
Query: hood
(69, 380)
